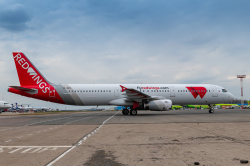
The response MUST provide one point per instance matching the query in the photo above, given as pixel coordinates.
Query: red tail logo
(197, 91)
(32, 82)
(28, 74)
(123, 88)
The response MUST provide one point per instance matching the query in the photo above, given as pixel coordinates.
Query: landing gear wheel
(133, 112)
(211, 111)
(125, 111)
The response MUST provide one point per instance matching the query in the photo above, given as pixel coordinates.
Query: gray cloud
(130, 41)
(14, 18)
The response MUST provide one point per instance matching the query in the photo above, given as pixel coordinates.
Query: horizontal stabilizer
(27, 90)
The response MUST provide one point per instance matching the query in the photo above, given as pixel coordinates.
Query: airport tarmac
(177, 137)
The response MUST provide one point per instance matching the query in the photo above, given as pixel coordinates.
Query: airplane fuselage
(4, 105)
(180, 94)
(156, 97)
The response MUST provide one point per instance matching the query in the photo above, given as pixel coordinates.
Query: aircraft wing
(135, 95)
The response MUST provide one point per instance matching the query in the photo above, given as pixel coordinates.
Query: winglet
(123, 88)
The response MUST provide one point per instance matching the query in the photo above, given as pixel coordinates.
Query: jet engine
(158, 105)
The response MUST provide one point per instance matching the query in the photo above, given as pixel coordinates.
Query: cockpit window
(224, 90)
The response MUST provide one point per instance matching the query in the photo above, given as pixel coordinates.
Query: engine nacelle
(158, 105)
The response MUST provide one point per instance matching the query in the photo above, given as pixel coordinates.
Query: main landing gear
(131, 111)
(125, 111)
(211, 109)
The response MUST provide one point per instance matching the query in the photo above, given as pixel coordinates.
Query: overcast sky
(127, 41)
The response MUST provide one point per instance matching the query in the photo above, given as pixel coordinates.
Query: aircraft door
(214, 91)
(172, 91)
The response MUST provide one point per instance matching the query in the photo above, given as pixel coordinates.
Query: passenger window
(109, 90)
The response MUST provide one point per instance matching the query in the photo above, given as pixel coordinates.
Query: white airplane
(154, 97)
(4, 105)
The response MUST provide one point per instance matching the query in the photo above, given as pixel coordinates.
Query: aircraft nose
(231, 96)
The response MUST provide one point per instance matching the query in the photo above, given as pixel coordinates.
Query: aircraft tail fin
(28, 74)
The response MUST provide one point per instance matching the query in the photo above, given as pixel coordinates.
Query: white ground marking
(8, 141)
(36, 149)
(80, 142)
(29, 149)
(26, 150)
(15, 150)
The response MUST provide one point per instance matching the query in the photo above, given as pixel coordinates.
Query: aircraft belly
(96, 99)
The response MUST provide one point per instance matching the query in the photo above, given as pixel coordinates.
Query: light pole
(241, 83)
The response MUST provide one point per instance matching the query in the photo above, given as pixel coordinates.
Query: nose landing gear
(211, 109)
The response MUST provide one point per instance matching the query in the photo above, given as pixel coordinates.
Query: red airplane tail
(33, 83)
(28, 74)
